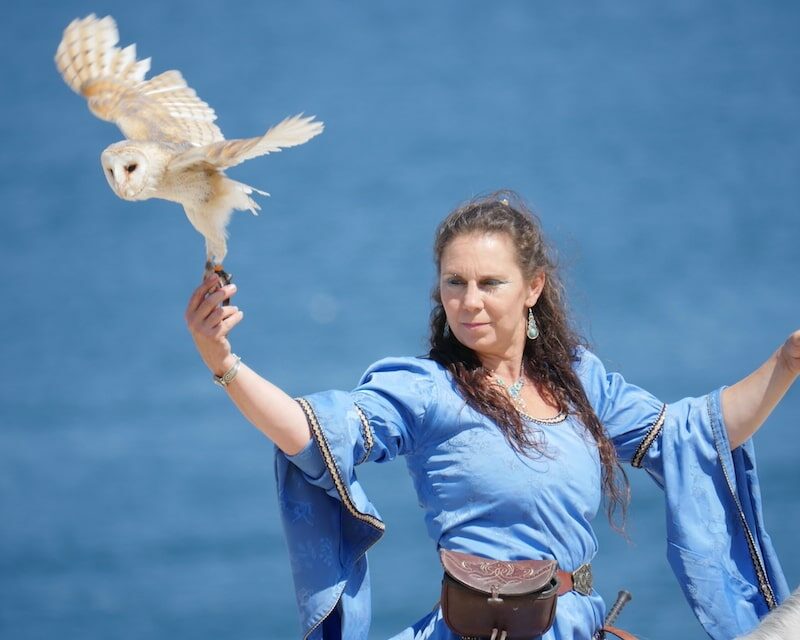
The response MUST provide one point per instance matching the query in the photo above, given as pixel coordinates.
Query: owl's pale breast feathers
(193, 187)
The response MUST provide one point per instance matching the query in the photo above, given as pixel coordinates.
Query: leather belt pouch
(483, 598)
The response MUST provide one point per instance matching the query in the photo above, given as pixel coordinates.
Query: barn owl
(173, 149)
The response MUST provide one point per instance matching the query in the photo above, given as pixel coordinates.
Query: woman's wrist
(226, 378)
(224, 365)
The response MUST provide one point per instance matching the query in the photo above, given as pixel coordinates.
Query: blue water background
(660, 142)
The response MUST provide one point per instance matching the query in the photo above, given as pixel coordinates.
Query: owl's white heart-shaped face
(126, 169)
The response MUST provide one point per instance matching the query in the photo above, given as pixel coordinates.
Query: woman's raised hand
(790, 353)
(210, 323)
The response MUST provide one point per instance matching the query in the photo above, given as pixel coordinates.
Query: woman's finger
(198, 295)
(213, 300)
(228, 323)
(219, 324)
(217, 315)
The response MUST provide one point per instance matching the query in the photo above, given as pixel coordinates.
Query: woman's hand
(790, 353)
(209, 323)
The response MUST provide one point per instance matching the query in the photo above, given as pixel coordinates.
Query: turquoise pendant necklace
(514, 391)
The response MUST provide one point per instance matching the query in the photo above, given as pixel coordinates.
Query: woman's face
(485, 295)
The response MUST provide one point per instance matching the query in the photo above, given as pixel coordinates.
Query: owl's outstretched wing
(162, 109)
(228, 153)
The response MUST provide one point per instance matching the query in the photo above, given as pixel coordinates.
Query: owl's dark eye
(111, 172)
(131, 167)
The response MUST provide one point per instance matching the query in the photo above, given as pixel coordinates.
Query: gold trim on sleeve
(755, 557)
(333, 469)
(366, 431)
(649, 439)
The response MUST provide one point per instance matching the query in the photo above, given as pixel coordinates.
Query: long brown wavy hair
(548, 360)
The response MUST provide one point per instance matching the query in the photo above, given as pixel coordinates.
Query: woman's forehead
(479, 250)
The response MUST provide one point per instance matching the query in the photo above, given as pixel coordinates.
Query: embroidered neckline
(556, 419)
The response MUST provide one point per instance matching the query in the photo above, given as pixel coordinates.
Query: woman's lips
(473, 325)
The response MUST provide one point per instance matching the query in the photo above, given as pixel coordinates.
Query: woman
(513, 433)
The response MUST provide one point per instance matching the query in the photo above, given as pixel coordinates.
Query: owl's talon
(224, 276)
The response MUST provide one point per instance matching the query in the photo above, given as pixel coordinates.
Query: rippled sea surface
(660, 143)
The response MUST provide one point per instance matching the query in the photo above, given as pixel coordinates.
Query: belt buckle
(582, 579)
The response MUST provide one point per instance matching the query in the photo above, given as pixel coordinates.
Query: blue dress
(481, 497)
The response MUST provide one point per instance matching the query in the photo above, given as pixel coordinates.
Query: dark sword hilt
(623, 598)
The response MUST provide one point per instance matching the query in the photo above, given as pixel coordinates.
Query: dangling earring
(532, 329)
(446, 331)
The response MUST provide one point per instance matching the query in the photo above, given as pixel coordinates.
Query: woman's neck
(507, 367)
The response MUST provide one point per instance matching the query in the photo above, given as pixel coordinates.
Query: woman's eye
(491, 283)
(453, 282)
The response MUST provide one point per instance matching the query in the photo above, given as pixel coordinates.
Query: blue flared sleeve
(717, 545)
(328, 520)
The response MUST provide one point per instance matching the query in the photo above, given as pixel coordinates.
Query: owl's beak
(126, 189)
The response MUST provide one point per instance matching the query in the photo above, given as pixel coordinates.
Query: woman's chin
(475, 342)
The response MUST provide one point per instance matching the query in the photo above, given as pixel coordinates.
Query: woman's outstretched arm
(746, 404)
(269, 408)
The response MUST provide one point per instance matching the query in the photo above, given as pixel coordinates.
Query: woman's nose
(472, 297)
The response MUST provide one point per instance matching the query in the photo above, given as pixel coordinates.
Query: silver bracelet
(226, 378)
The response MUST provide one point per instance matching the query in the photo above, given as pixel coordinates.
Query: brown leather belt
(579, 580)
(619, 633)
